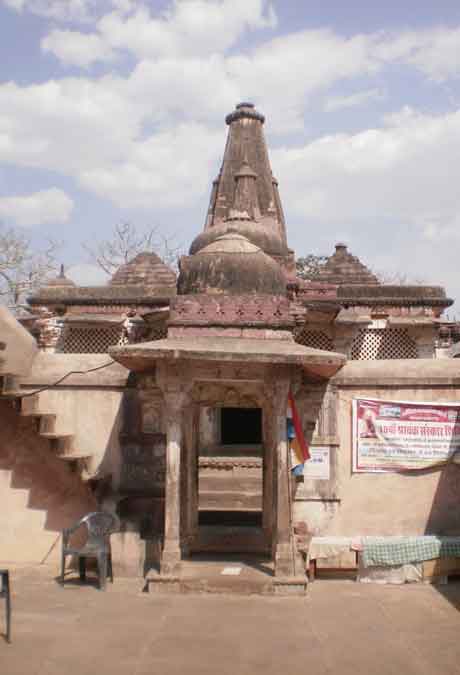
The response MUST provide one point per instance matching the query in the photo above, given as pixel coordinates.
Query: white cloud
(40, 208)
(390, 192)
(82, 11)
(187, 28)
(169, 169)
(18, 5)
(143, 139)
(333, 103)
(67, 125)
(405, 173)
(94, 131)
(434, 51)
(63, 10)
(179, 50)
(74, 48)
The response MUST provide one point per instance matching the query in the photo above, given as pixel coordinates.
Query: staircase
(230, 506)
(230, 483)
(61, 443)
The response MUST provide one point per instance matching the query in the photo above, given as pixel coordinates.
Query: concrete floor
(340, 627)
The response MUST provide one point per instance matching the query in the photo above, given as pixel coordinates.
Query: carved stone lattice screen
(90, 340)
(389, 343)
(314, 338)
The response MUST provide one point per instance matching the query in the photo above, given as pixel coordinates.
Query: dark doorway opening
(241, 425)
(230, 502)
(231, 518)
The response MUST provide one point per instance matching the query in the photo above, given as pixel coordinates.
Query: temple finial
(243, 110)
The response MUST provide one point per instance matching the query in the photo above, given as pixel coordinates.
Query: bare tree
(126, 242)
(308, 266)
(23, 268)
(398, 279)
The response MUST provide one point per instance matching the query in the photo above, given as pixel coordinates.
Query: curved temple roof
(146, 269)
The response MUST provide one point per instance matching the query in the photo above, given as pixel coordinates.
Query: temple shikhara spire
(244, 196)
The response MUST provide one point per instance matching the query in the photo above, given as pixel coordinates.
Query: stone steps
(230, 501)
(240, 483)
(229, 539)
(28, 405)
(223, 490)
(251, 575)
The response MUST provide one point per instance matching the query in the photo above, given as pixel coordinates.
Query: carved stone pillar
(189, 506)
(425, 341)
(345, 335)
(284, 554)
(171, 554)
(268, 497)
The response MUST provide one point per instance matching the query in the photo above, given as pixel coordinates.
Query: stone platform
(226, 574)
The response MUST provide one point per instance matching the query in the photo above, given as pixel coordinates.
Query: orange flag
(299, 445)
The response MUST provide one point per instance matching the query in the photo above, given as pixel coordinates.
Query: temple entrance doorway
(230, 480)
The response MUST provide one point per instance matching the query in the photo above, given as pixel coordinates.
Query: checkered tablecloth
(383, 551)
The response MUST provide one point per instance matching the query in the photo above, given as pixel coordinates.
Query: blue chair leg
(82, 567)
(5, 593)
(62, 568)
(8, 608)
(102, 569)
(109, 567)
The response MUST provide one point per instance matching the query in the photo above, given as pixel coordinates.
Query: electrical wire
(64, 377)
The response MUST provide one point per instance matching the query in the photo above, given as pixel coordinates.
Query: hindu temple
(162, 397)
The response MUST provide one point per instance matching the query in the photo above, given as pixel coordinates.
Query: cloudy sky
(113, 110)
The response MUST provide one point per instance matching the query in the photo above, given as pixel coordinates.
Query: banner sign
(397, 435)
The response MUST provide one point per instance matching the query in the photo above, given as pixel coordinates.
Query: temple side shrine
(164, 399)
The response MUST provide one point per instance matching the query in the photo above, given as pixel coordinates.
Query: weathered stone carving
(213, 394)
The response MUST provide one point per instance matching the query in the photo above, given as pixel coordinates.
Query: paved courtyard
(340, 627)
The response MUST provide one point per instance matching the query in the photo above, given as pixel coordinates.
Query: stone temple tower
(244, 197)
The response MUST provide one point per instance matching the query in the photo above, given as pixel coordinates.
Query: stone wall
(18, 347)
(39, 493)
(390, 503)
(86, 398)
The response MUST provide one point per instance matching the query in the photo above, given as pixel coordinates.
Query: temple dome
(345, 269)
(233, 265)
(262, 237)
(146, 269)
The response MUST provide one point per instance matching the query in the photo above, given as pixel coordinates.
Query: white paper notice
(231, 571)
(318, 466)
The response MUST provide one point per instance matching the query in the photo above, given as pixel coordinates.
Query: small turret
(245, 202)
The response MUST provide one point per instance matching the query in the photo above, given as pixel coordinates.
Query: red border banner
(401, 435)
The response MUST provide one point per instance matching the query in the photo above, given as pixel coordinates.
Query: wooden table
(326, 547)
